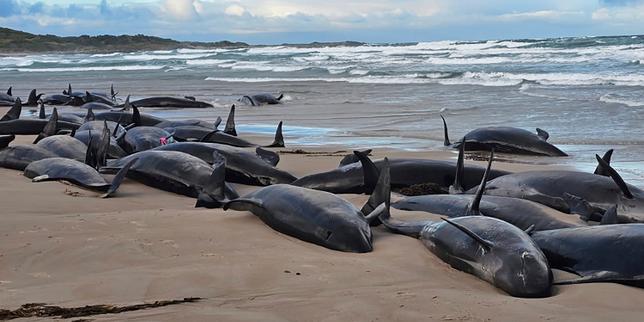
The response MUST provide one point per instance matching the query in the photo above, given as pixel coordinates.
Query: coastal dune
(61, 245)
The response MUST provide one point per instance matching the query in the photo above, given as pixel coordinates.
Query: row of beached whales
(511, 237)
(108, 101)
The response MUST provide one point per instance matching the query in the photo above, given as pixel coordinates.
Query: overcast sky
(279, 21)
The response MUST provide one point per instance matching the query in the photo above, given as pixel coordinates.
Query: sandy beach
(62, 245)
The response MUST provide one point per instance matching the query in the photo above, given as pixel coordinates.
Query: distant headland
(15, 41)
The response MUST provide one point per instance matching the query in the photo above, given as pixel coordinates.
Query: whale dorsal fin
(543, 134)
(352, 158)
(41, 114)
(473, 208)
(9, 91)
(279, 98)
(278, 142)
(445, 133)
(69, 89)
(230, 122)
(610, 216)
(136, 116)
(51, 128)
(615, 176)
(600, 170)
(484, 242)
(113, 93)
(127, 106)
(370, 172)
(457, 186)
(90, 115)
(14, 111)
(381, 193)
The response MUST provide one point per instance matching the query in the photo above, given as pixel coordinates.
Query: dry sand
(61, 245)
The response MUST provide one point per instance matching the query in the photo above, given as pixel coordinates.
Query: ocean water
(587, 92)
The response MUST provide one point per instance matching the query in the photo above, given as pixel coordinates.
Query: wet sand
(61, 245)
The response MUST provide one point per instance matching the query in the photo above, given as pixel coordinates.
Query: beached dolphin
(93, 98)
(199, 123)
(11, 124)
(17, 157)
(489, 248)
(180, 173)
(143, 138)
(125, 117)
(310, 215)
(404, 173)
(507, 140)
(242, 166)
(64, 146)
(96, 106)
(32, 99)
(114, 151)
(607, 253)
(53, 169)
(97, 126)
(198, 133)
(5, 140)
(520, 212)
(587, 194)
(165, 101)
(261, 99)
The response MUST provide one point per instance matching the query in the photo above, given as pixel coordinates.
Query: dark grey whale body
(76, 172)
(519, 212)
(166, 101)
(507, 140)
(241, 166)
(177, 172)
(607, 253)
(404, 173)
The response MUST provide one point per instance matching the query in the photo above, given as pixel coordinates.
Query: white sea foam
(614, 99)
(83, 69)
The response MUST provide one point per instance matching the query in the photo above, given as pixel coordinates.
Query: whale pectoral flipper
(550, 201)
(543, 134)
(530, 230)
(603, 276)
(42, 178)
(118, 179)
(376, 213)
(243, 204)
(484, 242)
(582, 207)
(610, 216)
